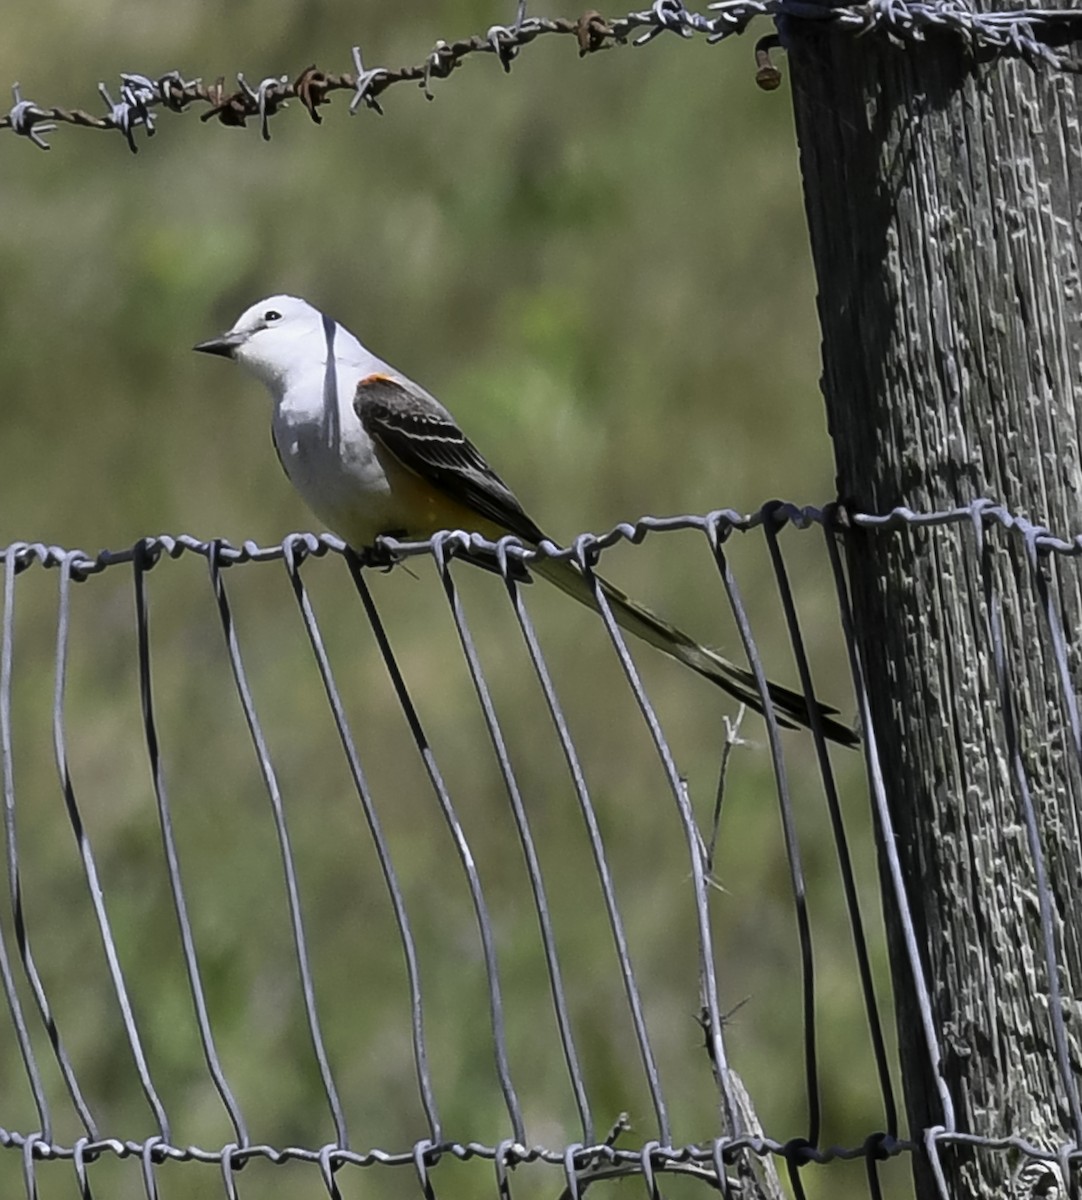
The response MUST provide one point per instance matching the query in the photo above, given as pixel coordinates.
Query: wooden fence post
(944, 200)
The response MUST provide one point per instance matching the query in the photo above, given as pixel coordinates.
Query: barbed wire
(1036, 36)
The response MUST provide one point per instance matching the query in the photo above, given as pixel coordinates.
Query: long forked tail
(790, 707)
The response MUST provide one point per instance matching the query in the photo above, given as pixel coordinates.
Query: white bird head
(274, 338)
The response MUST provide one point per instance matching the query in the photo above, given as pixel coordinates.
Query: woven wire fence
(597, 1142)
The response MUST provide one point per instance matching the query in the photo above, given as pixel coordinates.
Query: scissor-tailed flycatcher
(372, 453)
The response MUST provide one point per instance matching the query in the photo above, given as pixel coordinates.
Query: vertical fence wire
(716, 534)
(13, 869)
(1038, 567)
(466, 859)
(871, 1172)
(522, 826)
(584, 551)
(228, 1170)
(1007, 701)
(285, 848)
(146, 1163)
(142, 563)
(30, 1173)
(597, 848)
(86, 855)
(79, 1162)
(887, 839)
(22, 1033)
(837, 824)
(383, 852)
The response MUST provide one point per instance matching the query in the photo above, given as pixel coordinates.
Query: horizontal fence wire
(82, 565)
(586, 1156)
(1036, 36)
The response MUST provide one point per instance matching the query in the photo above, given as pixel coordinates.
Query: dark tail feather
(790, 707)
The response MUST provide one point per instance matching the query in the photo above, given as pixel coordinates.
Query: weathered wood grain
(943, 201)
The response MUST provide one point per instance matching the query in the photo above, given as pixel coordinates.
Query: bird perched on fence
(373, 454)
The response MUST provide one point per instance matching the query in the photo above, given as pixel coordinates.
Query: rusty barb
(1035, 35)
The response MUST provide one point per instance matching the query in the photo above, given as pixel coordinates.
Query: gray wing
(425, 440)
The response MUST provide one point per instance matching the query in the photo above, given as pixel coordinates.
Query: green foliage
(601, 267)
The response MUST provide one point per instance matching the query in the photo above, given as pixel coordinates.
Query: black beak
(225, 346)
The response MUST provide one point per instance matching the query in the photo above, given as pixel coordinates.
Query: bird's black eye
(271, 315)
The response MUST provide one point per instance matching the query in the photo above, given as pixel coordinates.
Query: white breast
(330, 459)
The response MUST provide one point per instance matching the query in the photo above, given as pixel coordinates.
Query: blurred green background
(601, 266)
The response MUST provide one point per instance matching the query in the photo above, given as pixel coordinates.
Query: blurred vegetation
(601, 267)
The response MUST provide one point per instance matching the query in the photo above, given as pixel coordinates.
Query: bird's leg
(379, 556)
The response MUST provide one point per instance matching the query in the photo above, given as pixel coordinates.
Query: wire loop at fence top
(1037, 36)
(776, 513)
